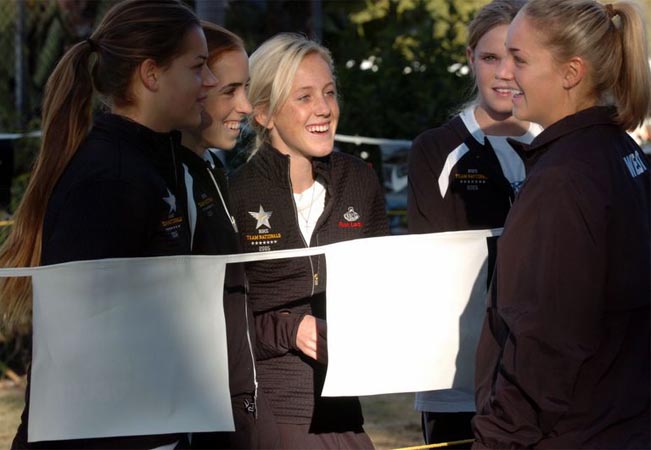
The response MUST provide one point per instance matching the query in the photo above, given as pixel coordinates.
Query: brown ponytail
(131, 31)
(66, 120)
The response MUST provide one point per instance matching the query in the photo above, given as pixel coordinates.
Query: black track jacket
(214, 234)
(476, 193)
(120, 196)
(283, 291)
(563, 360)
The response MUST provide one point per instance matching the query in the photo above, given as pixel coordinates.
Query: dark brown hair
(131, 32)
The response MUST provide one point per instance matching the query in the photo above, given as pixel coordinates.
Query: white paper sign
(398, 313)
(129, 347)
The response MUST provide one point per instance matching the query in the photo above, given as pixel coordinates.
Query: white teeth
(318, 128)
(232, 125)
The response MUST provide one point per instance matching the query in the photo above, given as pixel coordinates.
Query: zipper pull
(316, 279)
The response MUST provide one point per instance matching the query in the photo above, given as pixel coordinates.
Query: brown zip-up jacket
(563, 360)
(281, 292)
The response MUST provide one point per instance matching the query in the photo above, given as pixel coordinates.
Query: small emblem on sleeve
(635, 164)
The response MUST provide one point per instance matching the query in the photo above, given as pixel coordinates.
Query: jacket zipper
(246, 300)
(221, 197)
(248, 338)
(315, 276)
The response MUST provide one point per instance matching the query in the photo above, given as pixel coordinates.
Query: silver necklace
(306, 219)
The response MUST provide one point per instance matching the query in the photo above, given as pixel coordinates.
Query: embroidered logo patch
(635, 164)
(470, 181)
(264, 239)
(171, 201)
(352, 219)
(351, 215)
(262, 217)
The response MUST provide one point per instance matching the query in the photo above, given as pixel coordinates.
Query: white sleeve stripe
(192, 207)
(452, 159)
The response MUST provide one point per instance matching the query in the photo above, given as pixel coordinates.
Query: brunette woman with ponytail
(111, 187)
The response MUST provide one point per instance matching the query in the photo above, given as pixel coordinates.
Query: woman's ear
(149, 74)
(573, 72)
(261, 116)
(471, 58)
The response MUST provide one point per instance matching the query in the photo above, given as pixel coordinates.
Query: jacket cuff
(293, 322)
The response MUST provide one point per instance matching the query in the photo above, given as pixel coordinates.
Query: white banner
(399, 316)
(138, 346)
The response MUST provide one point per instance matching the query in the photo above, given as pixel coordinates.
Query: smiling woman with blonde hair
(296, 192)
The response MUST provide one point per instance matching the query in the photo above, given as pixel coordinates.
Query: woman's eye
(331, 93)
(303, 98)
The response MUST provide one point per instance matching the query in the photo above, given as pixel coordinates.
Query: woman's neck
(498, 124)
(193, 142)
(300, 172)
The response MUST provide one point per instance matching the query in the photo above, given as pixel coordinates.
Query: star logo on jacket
(262, 217)
(171, 201)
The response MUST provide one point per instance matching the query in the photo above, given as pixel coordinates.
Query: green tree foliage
(400, 63)
(392, 57)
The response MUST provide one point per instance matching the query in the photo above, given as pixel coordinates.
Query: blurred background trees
(399, 62)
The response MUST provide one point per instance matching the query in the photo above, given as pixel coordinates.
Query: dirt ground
(390, 419)
(11, 405)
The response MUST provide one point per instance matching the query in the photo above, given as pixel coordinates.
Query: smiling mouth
(505, 91)
(318, 129)
(232, 125)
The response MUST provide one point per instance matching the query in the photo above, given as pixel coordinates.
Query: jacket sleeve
(101, 219)
(276, 333)
(426, 209)
(550, 283)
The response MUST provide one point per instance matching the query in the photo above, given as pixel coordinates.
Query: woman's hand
(311, 338)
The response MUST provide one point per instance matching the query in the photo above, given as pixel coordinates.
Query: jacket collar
(276, 165)
(130, 130)
(596, 115)
(159, 148)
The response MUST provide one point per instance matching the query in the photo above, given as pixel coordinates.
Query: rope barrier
(359, 140)
(438, 445)
(14, 136)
